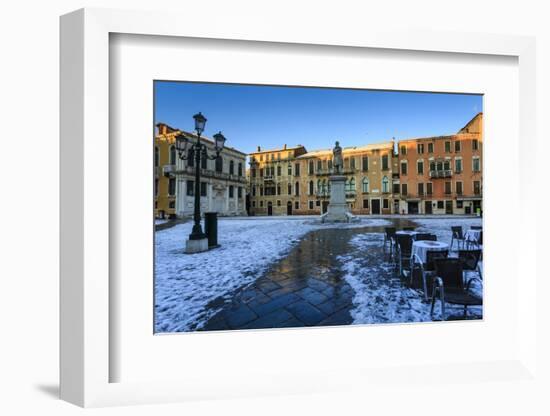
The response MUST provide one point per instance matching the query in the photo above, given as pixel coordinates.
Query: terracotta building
(292, 181)
(443, 174)
(223, 180)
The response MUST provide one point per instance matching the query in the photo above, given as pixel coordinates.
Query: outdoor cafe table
(472, 235)
(421, 248)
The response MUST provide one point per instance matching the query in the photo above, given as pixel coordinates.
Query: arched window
(297, 188)
(231, 167)
(365, 185)
(385, 184)
(289, 189)
(311, 187)
(240, 169)
(352, 184)
(319, 186)
(157, 157)
(219, 164)
(190, 157)
(172, 155)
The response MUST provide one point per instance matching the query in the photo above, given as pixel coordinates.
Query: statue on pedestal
(337, 160)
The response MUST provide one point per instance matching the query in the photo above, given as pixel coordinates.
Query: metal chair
(426, 269)
(389, 236)
(449, 286)
(470, 260)
(404, 247)
(457, 235)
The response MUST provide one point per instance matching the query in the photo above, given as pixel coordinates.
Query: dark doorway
(448, 207)
(375, 206)
(427, 207)
(270, 208)
(289, 208)
(477, 206)
(412, 207)
(324, 206)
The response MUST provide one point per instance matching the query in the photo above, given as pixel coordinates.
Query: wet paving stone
(306, 288)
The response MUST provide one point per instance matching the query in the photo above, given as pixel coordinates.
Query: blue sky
(250, 115)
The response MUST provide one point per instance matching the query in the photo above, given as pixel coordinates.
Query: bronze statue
(337, 161)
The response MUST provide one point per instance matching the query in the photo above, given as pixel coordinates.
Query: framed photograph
(283, 213)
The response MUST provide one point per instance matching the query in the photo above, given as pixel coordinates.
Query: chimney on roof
(284, 147)
(259, 149)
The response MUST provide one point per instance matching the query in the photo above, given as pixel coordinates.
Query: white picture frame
(86, 263)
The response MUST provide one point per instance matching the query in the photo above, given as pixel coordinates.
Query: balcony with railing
(438, 174)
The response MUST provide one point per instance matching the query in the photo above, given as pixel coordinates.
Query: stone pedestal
(338, 209)
(196, 246)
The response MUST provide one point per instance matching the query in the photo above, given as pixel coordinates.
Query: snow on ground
(380, 296)
(187, 284)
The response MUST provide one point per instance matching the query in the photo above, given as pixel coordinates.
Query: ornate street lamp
(197, 151)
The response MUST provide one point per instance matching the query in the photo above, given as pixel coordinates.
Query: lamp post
(198, 151)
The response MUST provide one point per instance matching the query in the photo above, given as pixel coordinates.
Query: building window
(219, 165)
(278, 170)
(253, 190)
(365, 204)
(240, 169)
(172, 186)
(420, 189)
(430, 147)
(447, 147)
(253, 172)
(420, 167)
(204, 162)
(157, 156)
(448, 187)
(204, 189)
(403, 150)
(172, 204)
(297, 188)
(457, 146)
(458, 165)
(365, 185)
(311, 167)
(385, 162)
(477, 188)
(459, 188)
(440, 205)
(420, 148)
(317, 203)
(261, 190)
(310, 188)
(156, 187)
(310, 204)
(385, 203)
(278, 202)
(396, 188)
(261, 172)
(289, 170)
(385, 184)
(404, 189)
(172, 155)
(297, 169)
(352, 163)
(253, 204)
(278, 189)
(429, 189)
(403, 168)
(365, 163)
(231, 191)
(289, 189)
(190, 188)
(190, 158)
(297, 205)
(231, 167)
(261, 204)
(475, 144)
(475, 164)
(459, 204)
(319, 165)
(239, 192)
(447, 165)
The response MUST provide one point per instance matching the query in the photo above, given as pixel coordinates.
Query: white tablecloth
(421, 248)
(403, 232)
(472, 235)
